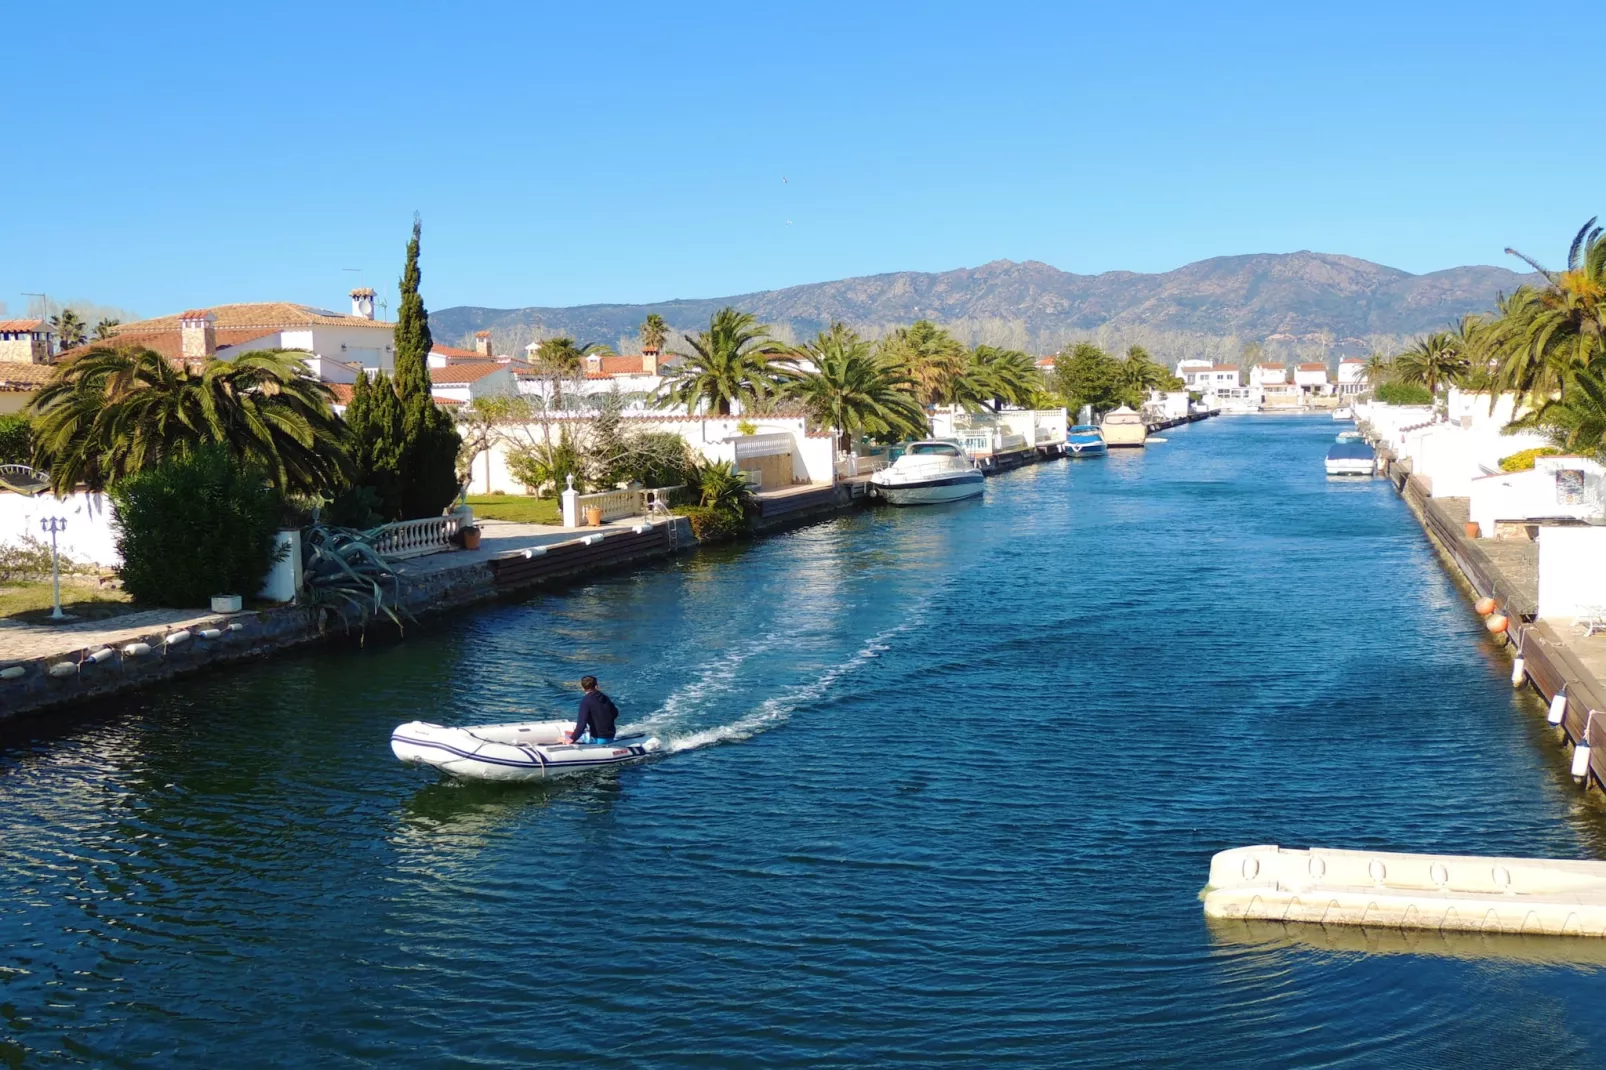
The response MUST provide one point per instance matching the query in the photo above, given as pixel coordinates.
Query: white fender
(180, 636)
(134, 650)
(1558, 708)
(1581, 760)
(210, 633)
(1517, 666)
(104, 654)
(63, 668)
(11, 672)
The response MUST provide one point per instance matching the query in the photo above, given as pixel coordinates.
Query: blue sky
(168, 156)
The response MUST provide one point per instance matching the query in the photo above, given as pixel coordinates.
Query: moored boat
(1085, 440)
(1351, 459)
(1343, 412)
(930, 472)
(512, 752)
(1124, 427)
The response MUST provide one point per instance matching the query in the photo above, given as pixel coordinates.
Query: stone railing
(615, 504)
(414, 538)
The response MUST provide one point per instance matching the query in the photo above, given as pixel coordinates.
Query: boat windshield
(1084, 429)
(932, 449)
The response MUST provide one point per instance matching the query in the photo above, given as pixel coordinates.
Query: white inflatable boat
(529, 750)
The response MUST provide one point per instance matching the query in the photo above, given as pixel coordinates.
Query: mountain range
(1294, 302)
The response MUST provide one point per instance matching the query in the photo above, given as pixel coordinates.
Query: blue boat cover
(1351, 451)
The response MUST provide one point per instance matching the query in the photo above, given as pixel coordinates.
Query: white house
(1311, 378)
(637, 376)
(1570, 488)
(332, 339)
(1191, 370)
(1351, 375)
(464, 381)
(1268, 374)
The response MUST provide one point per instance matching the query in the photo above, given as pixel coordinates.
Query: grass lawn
(32, 601)
(515, 507)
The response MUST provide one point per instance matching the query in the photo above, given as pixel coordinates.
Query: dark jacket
(597, 713)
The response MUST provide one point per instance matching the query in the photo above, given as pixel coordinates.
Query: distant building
(333, 341)
(1312, 379)
(1268, 374)
(638, 376)
(24, 362)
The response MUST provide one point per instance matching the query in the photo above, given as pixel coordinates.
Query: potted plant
(594, 516)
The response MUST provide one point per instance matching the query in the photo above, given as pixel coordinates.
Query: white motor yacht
(1124, 427)
(930, 472)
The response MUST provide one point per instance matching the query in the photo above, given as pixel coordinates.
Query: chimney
(593, 364)
(649, 360)
(198, 334)
(362, 303)
(482, 343)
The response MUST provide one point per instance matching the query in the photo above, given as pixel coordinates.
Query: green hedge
(195, 526)
(16, 440)
(713, 525)
(1404, 394)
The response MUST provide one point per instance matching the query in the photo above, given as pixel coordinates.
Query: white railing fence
(414, 538)
(615, 504)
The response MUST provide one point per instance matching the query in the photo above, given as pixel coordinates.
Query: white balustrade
(414, 538)
(615, 504)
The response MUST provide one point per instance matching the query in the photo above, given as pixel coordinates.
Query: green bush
(1523, 460)
(713, 525)
(1404, 394)
(16, 440)
(194, 526)
(28, 559)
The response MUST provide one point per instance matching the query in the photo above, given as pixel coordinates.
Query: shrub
(194, 526)
(1404, 394)
(28, 559)
(713, 525)
(16, 440)
(720, 486)
(1523, 460)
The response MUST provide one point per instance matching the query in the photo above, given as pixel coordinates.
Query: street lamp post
(55, 525)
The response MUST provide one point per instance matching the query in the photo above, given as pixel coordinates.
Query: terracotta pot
(594, 515)
(1472, 530)
(471, 538)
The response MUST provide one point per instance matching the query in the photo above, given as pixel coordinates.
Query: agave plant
(344, 572)
(721, 487)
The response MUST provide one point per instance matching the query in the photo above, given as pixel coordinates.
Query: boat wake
(770, 713)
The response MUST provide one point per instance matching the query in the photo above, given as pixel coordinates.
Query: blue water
(943, 788)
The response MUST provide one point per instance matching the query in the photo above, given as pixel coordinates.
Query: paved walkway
(22, 642)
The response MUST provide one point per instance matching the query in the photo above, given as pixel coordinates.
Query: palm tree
(1542, 334)
(1377, 369)
(114, 412)
(69, 328)
(734, 361)
(1432, 361)
(994, 377)
(560, 358)
(106, 328)
(931, 356)
(1576, 420)
(654, 332)
(854, 390)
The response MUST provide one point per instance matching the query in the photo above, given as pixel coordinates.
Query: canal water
(942, 787)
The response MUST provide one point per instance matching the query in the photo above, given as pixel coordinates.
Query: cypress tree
(375, 419)
(428, 459)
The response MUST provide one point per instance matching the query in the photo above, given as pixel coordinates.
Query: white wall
(89, 536)
(1534, 494)
(1572, 570)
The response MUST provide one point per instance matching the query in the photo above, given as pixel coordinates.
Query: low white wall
(89, 536)
(283, 581)
(1541, 493)
(1572, 570)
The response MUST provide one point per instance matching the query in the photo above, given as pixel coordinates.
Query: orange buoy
(1484, 606)
(1497, 623)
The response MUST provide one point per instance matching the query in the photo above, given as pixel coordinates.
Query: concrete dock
(1467, 893)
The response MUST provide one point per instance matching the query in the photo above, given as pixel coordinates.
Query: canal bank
(1547, 658)
(911, 771)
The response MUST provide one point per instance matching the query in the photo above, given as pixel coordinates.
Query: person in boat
(594, 723)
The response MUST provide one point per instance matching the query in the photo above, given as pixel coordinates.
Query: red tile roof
(16, 376)
(1313, 367)
(482, 334)
(21, 325)
(1224, 367)
(466, 372)
(169, 342)
(195, 314)
(452, 351)
(342, 393)
(273, 315)
(1273, 367)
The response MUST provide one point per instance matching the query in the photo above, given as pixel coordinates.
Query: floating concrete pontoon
(1468, 893)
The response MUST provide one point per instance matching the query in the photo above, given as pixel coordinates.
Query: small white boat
(1124, 427)
(1085, 440)
(1351, 459)
(1351, 435)
(517, 751)
(1343, 412)
(928, 473)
